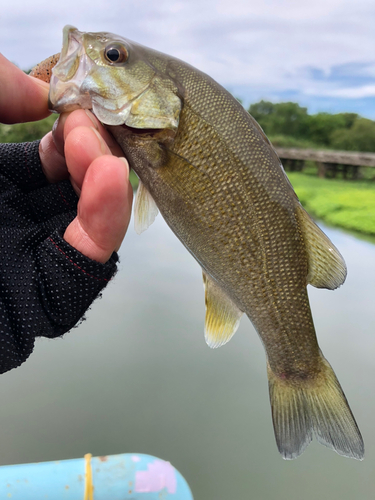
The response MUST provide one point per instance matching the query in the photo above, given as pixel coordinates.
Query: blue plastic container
(114, 477)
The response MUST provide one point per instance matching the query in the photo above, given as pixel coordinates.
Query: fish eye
(116, 54)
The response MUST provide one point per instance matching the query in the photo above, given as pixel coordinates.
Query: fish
(208, 167)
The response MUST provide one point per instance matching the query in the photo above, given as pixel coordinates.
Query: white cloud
(266, 44)
(354, 92)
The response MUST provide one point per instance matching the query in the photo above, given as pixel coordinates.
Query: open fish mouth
(69, 74)
(63, 102)
(78, 81)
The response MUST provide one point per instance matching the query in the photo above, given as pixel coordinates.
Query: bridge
(329, 163)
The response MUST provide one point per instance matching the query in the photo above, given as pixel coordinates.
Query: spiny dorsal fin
(327, 267)
(222, 315)
(145, 209)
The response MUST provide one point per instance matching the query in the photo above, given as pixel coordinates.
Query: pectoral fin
(145, 209)
(222, 315)
(327, 267)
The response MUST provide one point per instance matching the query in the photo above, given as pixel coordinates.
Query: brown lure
(43, 70)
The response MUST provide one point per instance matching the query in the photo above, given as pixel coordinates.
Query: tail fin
(302, 409)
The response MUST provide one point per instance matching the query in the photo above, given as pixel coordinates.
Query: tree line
(289, 124)
(286, 124)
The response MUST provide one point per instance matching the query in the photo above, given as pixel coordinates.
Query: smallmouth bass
(205, 163)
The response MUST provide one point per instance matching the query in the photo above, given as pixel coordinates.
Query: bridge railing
(329, 163)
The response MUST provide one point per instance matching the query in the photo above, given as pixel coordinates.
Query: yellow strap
(89, 487)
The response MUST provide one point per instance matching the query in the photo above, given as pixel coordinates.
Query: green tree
(322, 125)
(285, 118)
(262, 112)
(289, 125)
(349, 118)
(360, 137)
(290, 119)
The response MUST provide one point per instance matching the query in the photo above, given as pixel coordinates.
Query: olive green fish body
(223, 193)
(210, 170)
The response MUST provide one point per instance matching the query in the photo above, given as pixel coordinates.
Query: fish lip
(69, 32)
(67, 95)
(69, 99)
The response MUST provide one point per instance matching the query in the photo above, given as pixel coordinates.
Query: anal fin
(145, 209)
(222, 314)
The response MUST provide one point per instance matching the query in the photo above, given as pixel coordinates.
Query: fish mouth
(64, 103)
(72, 39)
(82, 79)
(69, 74)
(70, 85)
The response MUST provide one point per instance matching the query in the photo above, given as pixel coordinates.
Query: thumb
(22, 98)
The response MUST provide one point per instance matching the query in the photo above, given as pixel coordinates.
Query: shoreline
(348, 205)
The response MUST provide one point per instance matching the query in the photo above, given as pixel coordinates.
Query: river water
(137, 376)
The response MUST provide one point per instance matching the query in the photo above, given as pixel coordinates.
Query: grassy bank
(347, 204)
(26, 132)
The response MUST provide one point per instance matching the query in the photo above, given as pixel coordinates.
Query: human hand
(49, 282)
(22, 98)
(82, 150)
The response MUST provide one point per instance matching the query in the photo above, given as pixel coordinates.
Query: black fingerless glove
(45, 284)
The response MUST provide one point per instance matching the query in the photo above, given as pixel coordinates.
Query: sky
(319, 54)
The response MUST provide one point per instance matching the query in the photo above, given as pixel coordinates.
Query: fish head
(119, 80)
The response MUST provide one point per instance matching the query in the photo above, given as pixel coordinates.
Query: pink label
(159, 475)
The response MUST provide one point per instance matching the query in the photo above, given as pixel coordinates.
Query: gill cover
(116, 79)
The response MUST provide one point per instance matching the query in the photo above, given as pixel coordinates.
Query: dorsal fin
(327, 268)
(222, 315)
(145, 209)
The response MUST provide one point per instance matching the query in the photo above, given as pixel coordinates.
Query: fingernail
(125, 161)
(58, 133)
(90, 115)
(103, 146)
(54, 126)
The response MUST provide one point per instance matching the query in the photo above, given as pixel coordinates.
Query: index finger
(22, 97)
(82, 118)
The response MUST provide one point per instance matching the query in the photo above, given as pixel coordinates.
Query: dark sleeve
(46, 285)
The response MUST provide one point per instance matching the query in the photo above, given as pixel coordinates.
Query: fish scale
(274, 257)
(213, 174)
